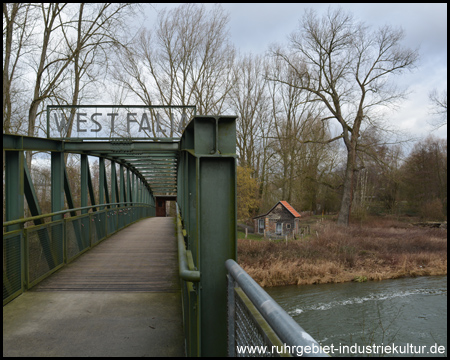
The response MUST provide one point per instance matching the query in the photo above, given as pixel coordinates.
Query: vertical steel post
(91, 188)
(84, 182)
(85, 223)
(122, 185)
(14, 187)
(113, 182)
(134, 188)
(57, 181)
(208, 165)
(121, 196)
(128, 187)
(101, 182)
(57, 204)
(14, 209)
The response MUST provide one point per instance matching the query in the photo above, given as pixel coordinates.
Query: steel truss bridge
(222, 306)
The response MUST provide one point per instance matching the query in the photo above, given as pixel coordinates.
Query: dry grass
(379, 250)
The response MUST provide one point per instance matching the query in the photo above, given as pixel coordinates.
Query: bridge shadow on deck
(121, 298)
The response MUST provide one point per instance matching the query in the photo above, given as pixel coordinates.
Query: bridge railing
(189, 278)
(256, 320)
(32, 253)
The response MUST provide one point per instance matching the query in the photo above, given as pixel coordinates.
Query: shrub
(432, 210)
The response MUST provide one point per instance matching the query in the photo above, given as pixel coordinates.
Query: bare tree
(187, 59)
(64, 38)
(17, 28)
(91, 62)
(346, 66)
(439, 108)
(249, 101)
(425, 174)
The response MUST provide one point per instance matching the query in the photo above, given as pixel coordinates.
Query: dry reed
(376, 252)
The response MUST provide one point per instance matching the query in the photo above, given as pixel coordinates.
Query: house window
(279, 228)
(288, 226)
(261, 225)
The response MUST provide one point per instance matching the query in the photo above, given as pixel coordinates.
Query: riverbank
(335, 254)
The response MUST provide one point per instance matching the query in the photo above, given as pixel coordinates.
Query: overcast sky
(253, 27)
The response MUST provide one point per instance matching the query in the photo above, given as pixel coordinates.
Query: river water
(402, 317)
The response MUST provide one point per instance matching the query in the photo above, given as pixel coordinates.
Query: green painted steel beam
(84, 181)
(148, 161)
(57, 181)
(156, 170)
(62, 212)
(122, 185)
(163, 186)
(20, 142)
(105, 147)
(217, 237)
(207, 198)
(154, 181)
(128, 193)
(155, 167)
(14, 187)
(30, 195)
(104, 192)
(50, 246)
(139, 155)
(68, 192)
(165, 189)
(101, 181)
(71, 205)
(91, 189)
(158, 174)
(13, 266)
(172, 161)
(157, 186)
(113, 182)
(134, 188)
(153, 156)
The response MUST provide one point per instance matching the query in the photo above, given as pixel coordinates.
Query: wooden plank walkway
(139, 258)
(121, 298)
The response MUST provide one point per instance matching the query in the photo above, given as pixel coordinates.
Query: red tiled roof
(286, 205)
(290, 208)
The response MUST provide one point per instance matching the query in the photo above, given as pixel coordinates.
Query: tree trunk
(347, 196)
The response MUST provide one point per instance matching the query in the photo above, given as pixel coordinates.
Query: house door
(160, 208)
(279, 228)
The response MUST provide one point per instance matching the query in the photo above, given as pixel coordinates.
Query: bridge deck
(121, 298)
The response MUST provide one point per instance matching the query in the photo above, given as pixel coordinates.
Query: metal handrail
(32, 218)
(284, 325)
(185, 273)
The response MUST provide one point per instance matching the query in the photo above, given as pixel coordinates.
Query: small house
(281, 220)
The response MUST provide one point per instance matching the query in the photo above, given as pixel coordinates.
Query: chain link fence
(257, 325)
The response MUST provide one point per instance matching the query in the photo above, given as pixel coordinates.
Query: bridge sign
(117, 121)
